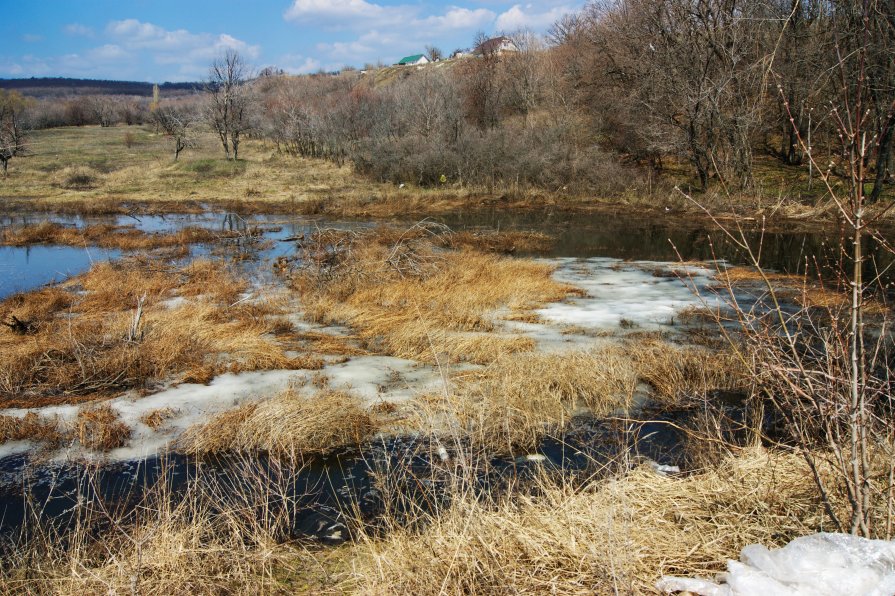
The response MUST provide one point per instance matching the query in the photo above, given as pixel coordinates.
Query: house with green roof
(415, 60)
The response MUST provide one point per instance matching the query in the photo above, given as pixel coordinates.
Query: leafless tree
(177, 123)
(13, 127)
(229, 100)
(433, 53)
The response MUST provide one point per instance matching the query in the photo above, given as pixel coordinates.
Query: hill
(59, 86)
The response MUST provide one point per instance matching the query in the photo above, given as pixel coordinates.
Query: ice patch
(820, 565)
(630, 291)
(382, 378)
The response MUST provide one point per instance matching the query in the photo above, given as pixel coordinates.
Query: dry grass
(157, 418)
(286, 424)
(799, 288)
(32, 427)
(676, 372)
(405, 296)
(510, 404)
(85, 347)
(504, 242)
(106, 236)
(206, 541)
(611, 537)
(99, 428)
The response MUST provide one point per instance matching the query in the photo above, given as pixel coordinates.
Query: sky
(176, 40)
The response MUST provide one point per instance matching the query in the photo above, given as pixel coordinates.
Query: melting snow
(817, 565)
(646, 293)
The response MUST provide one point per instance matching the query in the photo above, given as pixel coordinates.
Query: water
(327, 496)
(26, 268)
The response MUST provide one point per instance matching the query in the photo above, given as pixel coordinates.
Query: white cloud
(190, 53)
(108, 53)
(173, 46)
(385, 32)
(78, 30)
(297, 64)
(131, 49)
(335, 11)
(530, 16)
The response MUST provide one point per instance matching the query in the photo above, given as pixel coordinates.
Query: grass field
(130, 168)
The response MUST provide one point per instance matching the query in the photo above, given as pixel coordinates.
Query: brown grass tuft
(288, 423)
(32, 427)
(156, 418)
(100, 428)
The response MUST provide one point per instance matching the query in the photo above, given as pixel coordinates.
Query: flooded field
(622, 291)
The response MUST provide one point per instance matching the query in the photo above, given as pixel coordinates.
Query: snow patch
(646, 294)
(823, 564)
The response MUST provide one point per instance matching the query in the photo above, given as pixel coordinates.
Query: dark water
(325, 499)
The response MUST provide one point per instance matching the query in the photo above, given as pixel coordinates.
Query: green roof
(410, 59)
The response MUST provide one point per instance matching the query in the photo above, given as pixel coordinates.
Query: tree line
(617, 93)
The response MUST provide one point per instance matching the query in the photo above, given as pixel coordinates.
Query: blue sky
(170, 40)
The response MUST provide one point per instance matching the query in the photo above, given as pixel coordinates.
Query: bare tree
(177, 123)
(229, 100)
(434, 54)
(13, 127)
(104, 109)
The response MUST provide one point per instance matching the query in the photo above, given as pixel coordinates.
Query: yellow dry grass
(83, 344)
(100, 428)
(618, 536)
(286, 424)
(406, 297)
(511, 403)
(804, 291)
(675, 372)
(32, 427)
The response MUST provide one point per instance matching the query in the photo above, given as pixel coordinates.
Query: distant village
(490, 47)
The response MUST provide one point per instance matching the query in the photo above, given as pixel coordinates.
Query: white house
(415, 60)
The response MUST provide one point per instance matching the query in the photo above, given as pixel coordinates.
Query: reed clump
(616, 536)
(677, 372)
(289, 423)
(406, 295)
(100, 428)
(514, 401)
(33, 427)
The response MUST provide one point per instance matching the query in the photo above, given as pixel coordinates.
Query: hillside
(58, 86)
